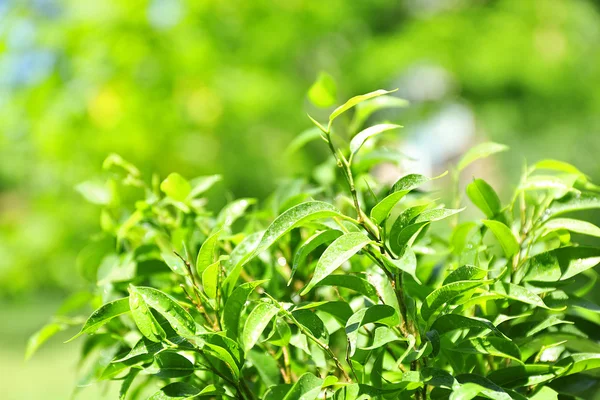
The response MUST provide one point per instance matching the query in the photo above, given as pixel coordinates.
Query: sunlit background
(220, 87)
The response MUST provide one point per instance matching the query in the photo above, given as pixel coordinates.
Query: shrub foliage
(342, 288)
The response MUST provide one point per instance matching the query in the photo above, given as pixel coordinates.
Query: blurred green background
(219, 86)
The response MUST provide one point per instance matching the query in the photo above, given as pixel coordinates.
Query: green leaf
(103, 315)
(312, 323)
(307, 387)
(365, 109)
(518, 293)
(311, 244)
(523, 375)
(577, 363)
(40, 337)
(480, 151)
(471, 385)
(407, 262)
(494, 346)
(95, 192)
(290, 219)
(351, 282)
(382, 335)
(335, 255)
(441, 296)
(127, 382)
(256, 323)
(206, 255)
(173, 365)
(233, 211)
(233, 265)
(381, 210)
(451, 322)
(399, 240)
(181, 321)
(226, 350)
(412, 181)
(176, 187)
(302, 139)
(235, 304)
(436, 214)
(465, 273)
(175, 263)
(556, 165)
(201, 184)
(560, 264)
(484, 197)
(551, 320)
(145, 321)
(379, 313)
(267, 367)
(507, 239)
(354, 101)
(210, 279)
(323, 93)
(573, 202)
(360, 138)
(572, 225)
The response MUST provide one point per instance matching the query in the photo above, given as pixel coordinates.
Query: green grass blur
(219, 86)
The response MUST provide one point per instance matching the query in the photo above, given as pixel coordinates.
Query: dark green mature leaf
(234, 305)
(173, 365)
(494, 346)
(352, 282)
(311, 244)
(573, 225)
(577, 363)
(226, 350)
(335, 255)
(482, 150)
(256, 323)
(399, 240)
(206, 255)
(451, 322)
(103, 315)
(484, 197)
(290, 219)
(181, 321)
(312, 322)
(176, 391)
(381, 210)
(518, 293)
(145, 321)
(360, 138)
(507, 239)
(127, 382)
(233, 266)
(523, 375)
(560, 264)
(444, 294)
(472, 385)
(379, 313)
(412, 181)
(266, 365)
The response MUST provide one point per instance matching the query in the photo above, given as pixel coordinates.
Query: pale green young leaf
(307, 387)
(413, 181)
(365, 109)
(573, 202)
(452, 322)
(335, 255)
(354, 101)
(303, 139)
(103, 315)
(484, 197)
(518, 293)
(577, 363)
(233, 211)
(437, 214)
(505, 237)
(556, 165)
(256, 323)
(210, 279)
(323, 93)
(95, 192)
(407, 262)
(465, 273)
(378, 313)
(311, 244)
(226, 350)
(201, 184)
(381, 210)
(206, 255)
(480, 151)
(175, 263)
(352, 282)
(40, 337)
(266, 365)
(360, 138)
(176, 187)
(572, 225)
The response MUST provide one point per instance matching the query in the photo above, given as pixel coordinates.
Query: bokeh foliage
(204, 87)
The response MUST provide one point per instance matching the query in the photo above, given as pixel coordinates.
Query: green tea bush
(344, 288)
